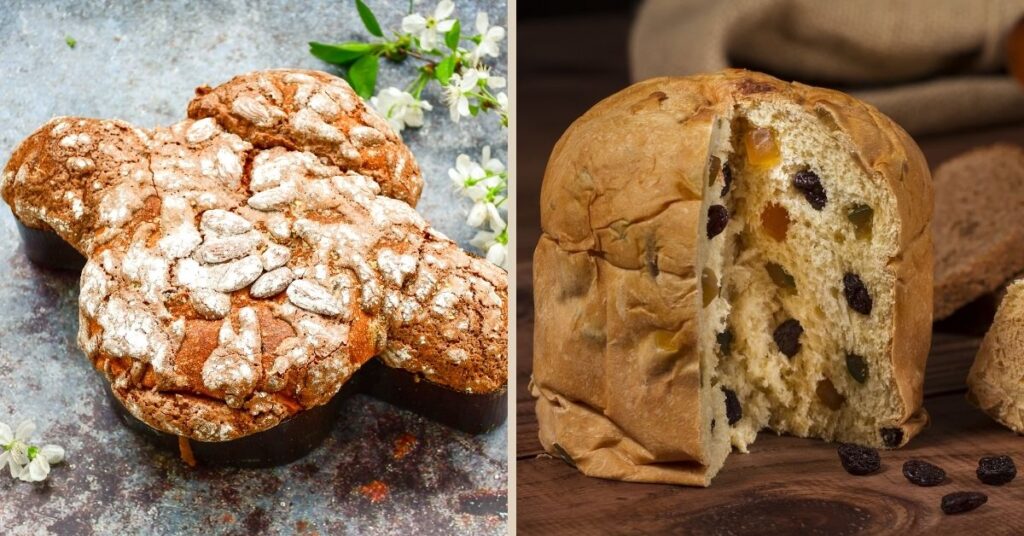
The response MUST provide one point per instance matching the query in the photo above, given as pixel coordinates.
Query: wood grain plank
(788, 485)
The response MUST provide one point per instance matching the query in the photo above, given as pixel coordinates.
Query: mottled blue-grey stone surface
(382, 470)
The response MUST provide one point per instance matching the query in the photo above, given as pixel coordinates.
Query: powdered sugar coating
(254, 281)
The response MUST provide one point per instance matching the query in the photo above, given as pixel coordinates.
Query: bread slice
(979, 197)
(994, 382)
(723, 254)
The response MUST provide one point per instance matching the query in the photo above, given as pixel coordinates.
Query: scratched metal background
(383, 470)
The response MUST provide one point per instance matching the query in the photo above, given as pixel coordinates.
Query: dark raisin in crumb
(724, 342)
(923, 473)
(996, 470)
(962, 501)
(857, 367)
(809, 183)
(858, 460)
(892, 437)
(718, 217)
(787, 337)
(856, 295)
(733, 410)
(712, 425)
(726, 178)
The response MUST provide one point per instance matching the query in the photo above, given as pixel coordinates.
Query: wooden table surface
(785, 485)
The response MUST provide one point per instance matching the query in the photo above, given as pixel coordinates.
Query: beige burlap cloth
(931, 65)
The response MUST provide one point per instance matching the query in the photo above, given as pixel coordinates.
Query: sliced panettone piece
(994, 382)
(724, 254)
(979, 196)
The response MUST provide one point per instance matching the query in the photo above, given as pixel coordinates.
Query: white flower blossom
(493, 82)
(428, 29)
(26, 462)
(502, 102)
(486, 184)
(400, 108)
(497, 252)
(490, 36)
(460, 87)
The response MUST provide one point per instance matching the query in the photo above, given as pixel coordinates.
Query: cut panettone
(994, 382)
(980, 195)
(724, 254)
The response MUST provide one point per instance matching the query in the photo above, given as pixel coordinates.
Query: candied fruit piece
(857, 366)
(828, 395)
(780, 276)
(996, 470)
(809, 183)
(856, 294)
(714, 166)
(733, 410)
(962, 501)
(762, 149)
(718, 218)
(775, 220)
(724, 340)
(923, 473)
(663, 340)
(858, 460)
(787, 337)
(708, 286)
(861, 216)
(892, 437)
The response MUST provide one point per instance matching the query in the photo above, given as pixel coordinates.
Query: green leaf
(452, 37)
(71, 41)
(340, 53)
(363, 75)
(369, 20)
(443, 71)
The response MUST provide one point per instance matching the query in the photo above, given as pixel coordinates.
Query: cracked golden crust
(637, 158)
(141, 212)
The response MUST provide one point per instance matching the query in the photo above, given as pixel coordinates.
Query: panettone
(723, 254)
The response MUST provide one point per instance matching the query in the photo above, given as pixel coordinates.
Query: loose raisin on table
(724, 342)
(809, 183)
(858, 460)
(787, 337)
(996, 470)
(923, 473)
(856, 294)
(718, 218)
(733, 410)
(828, 394)
(780, 276)
(962, 501)
(708, 286)
(775, 221)
(860, 216)
(857, 367)
(892, 437)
